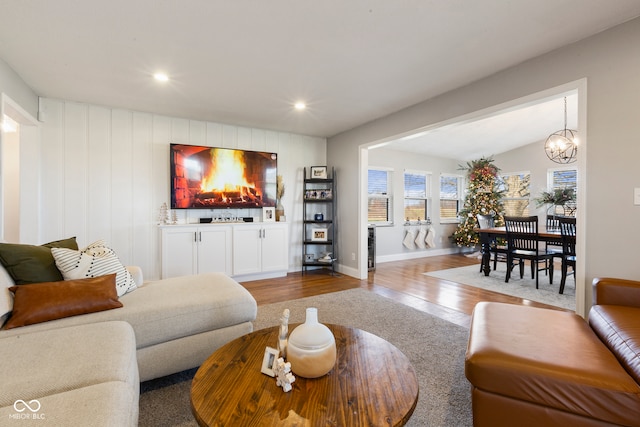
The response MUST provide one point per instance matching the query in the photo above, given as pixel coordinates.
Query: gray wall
(389, 245)
(610, 61)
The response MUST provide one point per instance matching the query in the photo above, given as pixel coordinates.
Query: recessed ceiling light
(300, 106)
(161, 77)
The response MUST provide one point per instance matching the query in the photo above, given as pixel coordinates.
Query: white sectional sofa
(90, 365)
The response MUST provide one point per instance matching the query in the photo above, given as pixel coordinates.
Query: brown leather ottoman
(533, 366)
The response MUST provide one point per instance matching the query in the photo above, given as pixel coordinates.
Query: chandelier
(562, 146)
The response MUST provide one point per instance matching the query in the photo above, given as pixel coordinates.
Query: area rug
(435, 347)
(524, 288)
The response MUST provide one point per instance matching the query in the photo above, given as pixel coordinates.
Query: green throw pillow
(33, 264)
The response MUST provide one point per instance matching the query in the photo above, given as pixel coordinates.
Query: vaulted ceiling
(247, 62)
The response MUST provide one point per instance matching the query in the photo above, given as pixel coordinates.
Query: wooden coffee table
(371, 384)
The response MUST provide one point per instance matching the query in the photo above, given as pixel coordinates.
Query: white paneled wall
(105, 173)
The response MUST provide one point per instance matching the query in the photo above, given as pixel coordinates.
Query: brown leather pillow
(40, 302)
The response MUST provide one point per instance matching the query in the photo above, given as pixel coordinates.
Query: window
(450, 197)
(379, 193)
(416, 195)
(564, 178)
(516, 193)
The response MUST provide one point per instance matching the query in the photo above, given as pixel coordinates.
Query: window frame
(505, 199)
(382, 196)
(427, 194)
(460, 185)
(552, 186)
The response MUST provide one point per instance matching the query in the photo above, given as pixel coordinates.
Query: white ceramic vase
(311, 349)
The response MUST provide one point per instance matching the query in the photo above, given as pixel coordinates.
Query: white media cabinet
(244, 251)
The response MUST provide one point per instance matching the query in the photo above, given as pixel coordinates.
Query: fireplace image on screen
(210, 177)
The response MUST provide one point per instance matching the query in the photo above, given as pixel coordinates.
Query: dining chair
(554, 247)
(523, 242)
(496, 246)
(568, 232)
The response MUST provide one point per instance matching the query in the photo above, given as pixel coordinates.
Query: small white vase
(311, 349)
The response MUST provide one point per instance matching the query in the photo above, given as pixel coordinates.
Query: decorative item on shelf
(311, 348)
(318, 194)
(309, 257)
(268, 214)
(324, 194)
(174, 217)
(318, 172)
(319, 234)
(284, 333)
(326, 258)
(562, 146)
(284, 377)
(318, 217)
(279, 196)
(163, 214)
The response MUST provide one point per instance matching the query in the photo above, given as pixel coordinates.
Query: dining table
(487, 235)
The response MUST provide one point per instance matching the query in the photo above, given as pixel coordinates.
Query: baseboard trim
(421, 254)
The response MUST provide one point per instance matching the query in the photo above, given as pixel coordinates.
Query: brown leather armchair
(540, 367)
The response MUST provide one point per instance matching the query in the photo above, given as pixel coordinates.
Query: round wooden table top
(371, 384)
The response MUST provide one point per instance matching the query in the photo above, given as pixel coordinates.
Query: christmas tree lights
(483, 197)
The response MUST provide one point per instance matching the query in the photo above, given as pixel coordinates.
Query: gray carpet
(524, 288)
(435, 347)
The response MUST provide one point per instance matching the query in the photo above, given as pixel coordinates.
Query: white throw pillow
(95, 260)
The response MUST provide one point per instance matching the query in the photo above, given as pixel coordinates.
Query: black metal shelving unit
(319, 221)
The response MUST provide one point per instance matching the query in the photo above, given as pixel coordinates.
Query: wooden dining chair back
(497, 247)
(554, 247)
(523, 242)
(568, 232)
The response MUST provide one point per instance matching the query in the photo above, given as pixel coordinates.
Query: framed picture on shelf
(324, 194)
(319, 234)
(309, 257)
(318, 172)
(268, 214)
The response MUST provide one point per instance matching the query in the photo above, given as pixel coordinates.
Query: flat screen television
(218, 178)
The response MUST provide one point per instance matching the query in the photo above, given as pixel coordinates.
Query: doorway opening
(576, 89)
(18, 138)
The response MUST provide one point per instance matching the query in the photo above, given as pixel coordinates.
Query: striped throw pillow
(95, 260)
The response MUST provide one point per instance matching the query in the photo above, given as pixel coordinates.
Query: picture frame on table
(268, 214)
(318, 172)
(319, 234)
(270, 356)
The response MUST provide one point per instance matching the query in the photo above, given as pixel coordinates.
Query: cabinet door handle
(195, 236)
(199, 236)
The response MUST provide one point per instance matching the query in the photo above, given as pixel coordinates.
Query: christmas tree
(483, 197)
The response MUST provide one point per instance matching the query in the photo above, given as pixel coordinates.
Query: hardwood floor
(401, 281)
